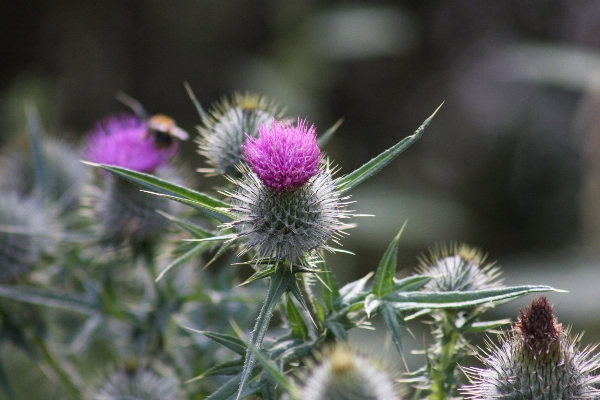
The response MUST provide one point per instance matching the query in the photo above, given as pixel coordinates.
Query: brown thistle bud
(537, 360)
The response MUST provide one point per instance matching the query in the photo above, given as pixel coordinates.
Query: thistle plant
(206, 334)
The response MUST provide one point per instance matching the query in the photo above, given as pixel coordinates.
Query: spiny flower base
(290, 224)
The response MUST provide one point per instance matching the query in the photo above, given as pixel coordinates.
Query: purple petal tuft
(284, 156)
(124, 141)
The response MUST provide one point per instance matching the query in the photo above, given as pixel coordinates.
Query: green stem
(280, 283)
(446, 357)
(67, 377)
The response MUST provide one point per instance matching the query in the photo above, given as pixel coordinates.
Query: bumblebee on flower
(287, 205)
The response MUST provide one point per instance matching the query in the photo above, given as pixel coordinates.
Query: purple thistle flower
(124, 141)
(284, 156)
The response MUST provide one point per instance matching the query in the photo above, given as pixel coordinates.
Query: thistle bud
(458, 268)
(286, 204)
(345, 375)
(537, 360)
(224, 132)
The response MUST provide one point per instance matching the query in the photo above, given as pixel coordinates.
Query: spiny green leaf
(459, 300)
(331, 293)
(390, 319)
(369, 169)
(229, 341)
(372, 302)
(200, 201)
(199, 248)
(196, 230)
(484, 326)
(355, 292)
(328, 134)
(299, 328)
(410, 283)
(264, 272)
(226, 368)
(384, 277)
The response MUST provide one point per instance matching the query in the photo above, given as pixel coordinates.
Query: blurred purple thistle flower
(124, 141)
(284, 156)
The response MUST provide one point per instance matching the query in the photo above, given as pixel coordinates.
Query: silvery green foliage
(343, 374)
(224, 129)
(125, 214)
(291, 224)
(27, 227)
(65, 176)
(139, 384)
(537, 360)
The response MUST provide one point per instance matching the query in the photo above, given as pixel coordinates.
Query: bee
(161, 128)
(165, 131)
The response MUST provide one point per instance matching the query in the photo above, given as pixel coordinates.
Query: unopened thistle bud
(345, 375)
(458, 268)
(537, 360)
(286, 204)
(138, 384)
(126, 213)
(224, 132)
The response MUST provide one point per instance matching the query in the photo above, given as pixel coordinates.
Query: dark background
(508, 164)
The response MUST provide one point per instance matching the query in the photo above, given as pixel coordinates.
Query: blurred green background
(510, 164)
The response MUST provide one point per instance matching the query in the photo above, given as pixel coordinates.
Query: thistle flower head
(537, 360)
(345, 375)
(290, 224)
(284, 156)
(126, 141)
(458, 268)
(225, 129)
(139, 384)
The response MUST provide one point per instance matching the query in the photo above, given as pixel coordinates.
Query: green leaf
(299, 328)
(485, 326)
(384, 277)
(325, 137)
(390, 319)
(196, 230)
(321, 313)
(372, 302)
(229, 341)
(226, 368)
(46, 298)
(338, 329)
(410, 283)
(461, 300)
(355, 292)
(227, 390)
(331, 293)
(369, 169)
(199, 248)
(280, 283)
(200, 201)
(264, 272)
